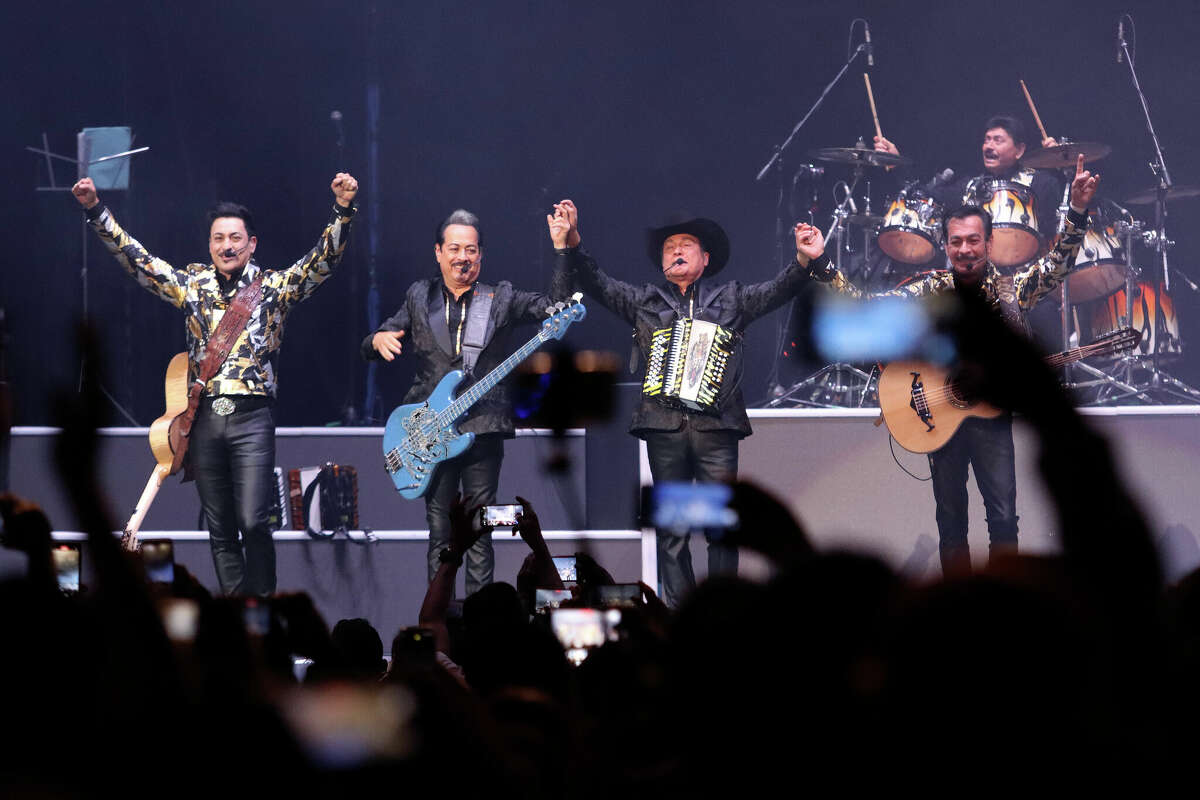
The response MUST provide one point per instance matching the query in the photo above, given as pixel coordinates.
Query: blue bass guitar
(419, 436)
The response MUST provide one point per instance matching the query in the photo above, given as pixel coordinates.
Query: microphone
(941, 179)
(870, 49)
(1122, 210)
(1120, 40)
(677, 262)
(229, 252)
(808, 170)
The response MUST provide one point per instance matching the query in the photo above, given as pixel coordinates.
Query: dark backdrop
(633, 108)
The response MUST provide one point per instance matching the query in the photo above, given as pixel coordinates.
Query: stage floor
(835, 469)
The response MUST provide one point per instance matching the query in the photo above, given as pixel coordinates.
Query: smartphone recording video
(158, 557)
(619, 595)
(256, 616)
(580, 630)
(685, 507)
(67, 559)
(501, 516)
(566, 567)
(546, 600)
(884, 329)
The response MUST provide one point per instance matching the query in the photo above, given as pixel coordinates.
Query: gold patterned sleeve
(932, 284)
(151, 272)
(301, 279)
(1047, 274)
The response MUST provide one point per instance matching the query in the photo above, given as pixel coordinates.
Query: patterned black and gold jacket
(250, 367)
(1029, 284)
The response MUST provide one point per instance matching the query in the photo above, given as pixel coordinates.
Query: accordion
(692, 365)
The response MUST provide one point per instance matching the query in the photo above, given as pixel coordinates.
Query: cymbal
(864, 220)
(1064, 155)
(859, 155)
(1148, 196)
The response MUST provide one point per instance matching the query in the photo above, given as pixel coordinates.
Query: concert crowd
(1078, 666)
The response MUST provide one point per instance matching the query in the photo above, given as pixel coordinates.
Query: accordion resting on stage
(692, 365)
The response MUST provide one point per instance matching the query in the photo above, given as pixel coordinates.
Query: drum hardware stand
(1102, 380)
(837, 379)
(776, 162)
(1157, 381)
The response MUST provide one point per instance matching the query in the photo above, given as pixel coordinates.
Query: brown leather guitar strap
(215, 353)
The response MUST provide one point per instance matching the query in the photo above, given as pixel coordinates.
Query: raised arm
(757, 299)
(1047, 274)
(463, 535)
(617, 296)
(151, 272)
(298, 281)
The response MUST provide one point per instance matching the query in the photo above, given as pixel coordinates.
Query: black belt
(226, 404)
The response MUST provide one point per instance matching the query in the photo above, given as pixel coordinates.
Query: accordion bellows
(689, 365)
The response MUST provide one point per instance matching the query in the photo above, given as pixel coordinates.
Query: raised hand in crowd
(27, 530)
(767, 526)
(530, 529)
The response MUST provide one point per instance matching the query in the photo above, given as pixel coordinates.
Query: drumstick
(1033, 108)
(871, 98)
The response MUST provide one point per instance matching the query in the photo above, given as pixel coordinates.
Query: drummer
(1004, 142)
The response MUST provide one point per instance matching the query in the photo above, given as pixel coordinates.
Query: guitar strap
(216, 351)
(475, 332)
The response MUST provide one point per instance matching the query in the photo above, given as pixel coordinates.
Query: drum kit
(1106, 290)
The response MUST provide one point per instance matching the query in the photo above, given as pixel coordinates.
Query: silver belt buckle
(223, 406)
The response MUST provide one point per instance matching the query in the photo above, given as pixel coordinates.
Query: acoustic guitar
(166, 443)
(923, 405)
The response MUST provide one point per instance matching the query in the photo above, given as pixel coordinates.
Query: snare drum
(1013, 206)
(912, 228)
(1105, 315)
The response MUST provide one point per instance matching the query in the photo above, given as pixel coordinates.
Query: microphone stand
(1158, 380)
(775, 162)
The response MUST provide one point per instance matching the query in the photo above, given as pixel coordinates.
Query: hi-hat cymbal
(1062, 156)
(859, 155)
(1148, 196)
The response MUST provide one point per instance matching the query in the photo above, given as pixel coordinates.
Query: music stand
(113, 175)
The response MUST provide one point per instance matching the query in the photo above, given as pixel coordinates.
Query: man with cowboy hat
(683, 444)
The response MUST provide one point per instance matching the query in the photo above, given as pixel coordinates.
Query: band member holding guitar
(986, 444)
(689, 436)
(234, 313)
(453, 321)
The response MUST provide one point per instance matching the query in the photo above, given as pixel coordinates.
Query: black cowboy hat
(711, 236)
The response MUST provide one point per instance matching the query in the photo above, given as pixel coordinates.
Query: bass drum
(1106, 314)
(912, 228)
(1013, 206)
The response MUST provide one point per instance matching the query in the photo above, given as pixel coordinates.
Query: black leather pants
(233, 460)
(478, 470)
(690, 455)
